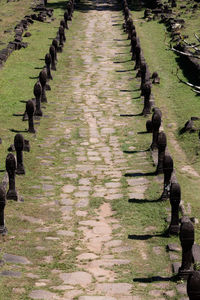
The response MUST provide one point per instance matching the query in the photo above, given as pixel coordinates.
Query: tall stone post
(11, 169)
(19, 147)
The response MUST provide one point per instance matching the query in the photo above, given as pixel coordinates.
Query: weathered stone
(10, 258)
(42, 294)
(81, 278)
(114, 288)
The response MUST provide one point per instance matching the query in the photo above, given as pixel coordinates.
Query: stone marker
(48, 65)
(175, 198)
(30, 111)
(168, 166)
(187, 240)
(55, 44)
(37, 93)
(161, 143)
(61, 33)
(149, 127)
(156, 122)
(137, 56)
(19, 147)
(11, 169)
(193, 285)
(52, 52)
(3, 229)
(146, 91)
(66, 19)
(43, 81)
(155, 78)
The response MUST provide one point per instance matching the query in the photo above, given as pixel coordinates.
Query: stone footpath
(91, 173)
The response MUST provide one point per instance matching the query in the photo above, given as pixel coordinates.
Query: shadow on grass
(35, 77)
(119, 40)
(2, 171)
(144, 237)
(131, 115)
(143, 132)
(135, 151)
(155, 279)
(138, 97)
(123, 71)
(138, 174)
(18, 115)
(142, 201)
(121, 62)
(126, 91)
(18, 131)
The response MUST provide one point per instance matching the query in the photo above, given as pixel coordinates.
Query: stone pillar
(66, 19)
(161, 143)
(168, 167)
(37, 93)
(30, 111)
(193, 285)
(147, 95)
(175, 199)
(55, 44)
(61, 36)
(48, 65)
(43, 81)
(137, 56)
(3, 229)
(187, 240)
(156, 122)
(19, 147)
(11, 168)
(149, 127)
(52, 52)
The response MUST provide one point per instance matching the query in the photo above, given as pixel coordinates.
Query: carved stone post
(48, 65)
(137, 56)
(149, 127)
(156, 122)
(168, 167)
(133, 46)
(43, 81)
(55, 44)
(37, 93)
(187, 240)
(175, 199)
(66, 19)
(162, 143)
(19, 147)
(61, 36)
(30, 111)
(52, 52)
(193, 285)
(3, 229)
(147, 95)
(11, 168)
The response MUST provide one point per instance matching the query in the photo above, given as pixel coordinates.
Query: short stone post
(187, 240)
(55, 44)
(37, 93)
(162, 143)
(193, 285)
(52, 52)
(61, 36)
(168, 167)
(3, 229)
(66, 19)
(19, 147)
(137, 56)
(48, 65)
(30, 111)
(156, 122)
(147, 95)
(175, 199)
(149, 127)
(11, 169)
(43, 81)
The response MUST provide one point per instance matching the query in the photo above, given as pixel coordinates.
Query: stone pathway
(84, 152)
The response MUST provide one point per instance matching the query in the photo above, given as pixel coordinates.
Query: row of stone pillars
(33, 110)
(165, 165)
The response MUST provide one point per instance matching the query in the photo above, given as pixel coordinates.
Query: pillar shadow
(138, 97)
(135, 151)
(123, 71)
(121, 62)
(18, 131)
(142, 201)
(155, 279)
(143, 132)
(144, 237)
(138, 174)
(131, 115)
(24, 101)
(36, 77)
(38, 68)
(119, 40)
(127, 91)
(2, 171)
(18, 115)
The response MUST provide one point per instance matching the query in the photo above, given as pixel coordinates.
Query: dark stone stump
(19, 147)
(30, 111)
(11, 169)
(149, 126)
(168, 167)
(55, 44)
(147, 94)
(37, 93)
(175, 199)
(3, 229)
(61, 36)
(66, 19)
(52, 52)
(162, 143)
(193, 285)
(156, 122)
(187, 240)
(48, 65)
(43, 81)
(137, 56)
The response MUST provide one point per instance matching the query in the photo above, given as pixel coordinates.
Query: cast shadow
(138, 97)
(18, 131)
(121, 62)
(131, 115)
(18, 115)
(142, 201)
(2, 171)
(36, 77)
(123, 71)
(138, 174)
(142, 132)
(155, 279)
(127, 91)
(144, 237)
(135, 151)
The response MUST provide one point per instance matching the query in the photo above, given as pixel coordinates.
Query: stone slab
(10, 258)
(80, 278)
(42, 294)
(96, 298)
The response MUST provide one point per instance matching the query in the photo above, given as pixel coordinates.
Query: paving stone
(10, 258)
(87, 256)
(32, 220)
(113, 184)
(114, 288)
(42, 294)
(81, 194)
(84, 181)
(96, 298)
(67, 202)
(10, 273)
(82, 203)
(181, 288)
(65, 232)
(155, 293)
(80, 278)
(114, 243)
(81, 213)
(122, 249)
(62, 287)
(18, 290)
(68, 188)
(173, 247)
